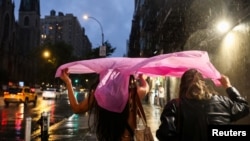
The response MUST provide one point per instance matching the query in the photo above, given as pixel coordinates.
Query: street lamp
(46, 54)
(88, 17)
(102, 48)
(223, 26)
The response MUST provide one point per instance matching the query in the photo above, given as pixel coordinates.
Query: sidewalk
(75, 128)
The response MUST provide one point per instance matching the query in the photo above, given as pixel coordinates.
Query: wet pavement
(75, 128)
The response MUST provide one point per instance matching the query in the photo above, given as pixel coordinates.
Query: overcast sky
(115, 17)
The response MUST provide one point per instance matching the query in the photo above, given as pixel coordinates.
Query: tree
(59, 53)
(95, 52)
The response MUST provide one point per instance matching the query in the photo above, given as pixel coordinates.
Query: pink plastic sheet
(112, 91)
(99, 65)
(175, 64)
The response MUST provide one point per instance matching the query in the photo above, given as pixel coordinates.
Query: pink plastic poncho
(112, 91)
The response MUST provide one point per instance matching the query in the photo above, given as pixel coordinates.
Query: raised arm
(76, 107)
(239, 105)
(142, 87)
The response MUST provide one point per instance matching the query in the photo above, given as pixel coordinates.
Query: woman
(161, 94)
(109, 126)
(187, 117)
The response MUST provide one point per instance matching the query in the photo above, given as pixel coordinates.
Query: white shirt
(161, 92)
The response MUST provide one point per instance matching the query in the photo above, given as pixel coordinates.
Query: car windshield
(14, 90)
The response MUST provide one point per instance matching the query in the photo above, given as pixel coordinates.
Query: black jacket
(185, 119)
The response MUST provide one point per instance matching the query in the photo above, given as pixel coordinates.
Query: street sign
(102, 51)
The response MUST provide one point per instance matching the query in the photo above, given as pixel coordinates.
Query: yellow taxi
(19, 95)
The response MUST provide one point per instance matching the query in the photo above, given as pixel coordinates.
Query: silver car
(50, 93)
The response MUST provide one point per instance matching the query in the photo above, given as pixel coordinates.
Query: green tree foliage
(60, 53)
(63, 53)
(95, 52)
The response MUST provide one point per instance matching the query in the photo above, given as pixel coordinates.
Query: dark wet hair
(108, 126)
(193, 86)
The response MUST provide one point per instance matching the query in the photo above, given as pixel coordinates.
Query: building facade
(20, 39)
(28, 38)
(56, 28)
(166, 26)
(17, 39)
(8, 50)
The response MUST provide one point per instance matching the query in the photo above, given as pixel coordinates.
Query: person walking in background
(108, 125)
(161, 94)
(187, 118)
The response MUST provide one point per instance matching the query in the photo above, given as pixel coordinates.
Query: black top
(186, 119)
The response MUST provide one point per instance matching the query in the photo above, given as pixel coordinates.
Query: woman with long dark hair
(108, 125)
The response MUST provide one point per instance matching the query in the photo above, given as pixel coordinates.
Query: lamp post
(46, 54)
(88, 17)
(50, 59)
(102, 47)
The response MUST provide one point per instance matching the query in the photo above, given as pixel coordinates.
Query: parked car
(19, 95)
(50, 93)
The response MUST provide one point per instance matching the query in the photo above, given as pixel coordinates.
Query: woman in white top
(161, 94)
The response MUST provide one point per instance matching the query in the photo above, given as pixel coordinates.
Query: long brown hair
(193, 86)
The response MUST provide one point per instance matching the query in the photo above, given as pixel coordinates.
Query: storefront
(170, 85)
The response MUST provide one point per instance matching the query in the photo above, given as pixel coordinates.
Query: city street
(64, 125)
(75, 128)
(13, 117)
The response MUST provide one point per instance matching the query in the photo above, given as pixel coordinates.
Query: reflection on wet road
(13, 117)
